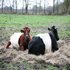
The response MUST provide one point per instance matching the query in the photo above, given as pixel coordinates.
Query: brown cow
(20, 40)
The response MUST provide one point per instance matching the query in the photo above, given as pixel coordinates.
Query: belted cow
(43, 43)
(20, 40)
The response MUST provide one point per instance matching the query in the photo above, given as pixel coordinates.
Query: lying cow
(43, 43)
(20, 40)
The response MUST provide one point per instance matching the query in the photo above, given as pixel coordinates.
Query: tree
(36, 6)
(44, 6)
(15, 1)
(39, 6)
(13, 6)
(23, 6)
(26, 4)
(53, 5)
(10, 6)
(57, 6)
(34, 9)
(16, 6)
(67, 4)
(2, 5)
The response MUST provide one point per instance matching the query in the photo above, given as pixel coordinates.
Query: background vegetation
(35, 7)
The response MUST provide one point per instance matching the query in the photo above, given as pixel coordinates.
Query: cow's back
(36, 46)
(14, 39)
(40, 44)
(46, 40)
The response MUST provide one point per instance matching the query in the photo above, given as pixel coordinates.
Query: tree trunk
(13, 5)
(2, 5)
(39, 6)
(11, 9)
(23, 7)
(44, 6)
(67, 5)
(16, 6)
(36, 6)
(10, 6)
(26, 9)
(26, 4)
(53, 5)
(57, 7)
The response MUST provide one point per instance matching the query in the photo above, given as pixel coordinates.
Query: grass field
(20, 21)
(8, 20)
(10, 23)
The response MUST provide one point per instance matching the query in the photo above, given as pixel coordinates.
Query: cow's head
(54, 30)
(26, 32)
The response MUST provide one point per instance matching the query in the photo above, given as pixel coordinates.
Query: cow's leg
(8, 44)
(11, 47)
(22, 48)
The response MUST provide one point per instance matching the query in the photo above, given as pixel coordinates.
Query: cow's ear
(53, 27)
(48, 29)
(22, 31)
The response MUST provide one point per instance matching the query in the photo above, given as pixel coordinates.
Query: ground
(18, 65)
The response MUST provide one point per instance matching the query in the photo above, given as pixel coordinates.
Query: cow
(44, 43)
(20, 40)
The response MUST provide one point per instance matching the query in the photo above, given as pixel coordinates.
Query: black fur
(36, 46)
(54, 42)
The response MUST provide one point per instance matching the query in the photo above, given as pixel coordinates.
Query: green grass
(28, 66)
(8, 20)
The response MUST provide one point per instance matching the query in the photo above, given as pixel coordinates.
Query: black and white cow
(43, 43)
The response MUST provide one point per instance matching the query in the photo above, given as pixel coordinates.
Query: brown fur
(23, 42)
